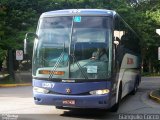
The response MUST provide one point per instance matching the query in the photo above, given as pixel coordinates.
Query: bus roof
(75, 12)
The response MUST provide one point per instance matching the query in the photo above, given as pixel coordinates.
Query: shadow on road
(89, 114)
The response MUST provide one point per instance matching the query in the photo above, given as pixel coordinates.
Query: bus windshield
(77, 47)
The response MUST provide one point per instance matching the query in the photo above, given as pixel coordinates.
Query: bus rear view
(73, 59)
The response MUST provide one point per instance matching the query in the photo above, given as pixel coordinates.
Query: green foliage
(19, 16)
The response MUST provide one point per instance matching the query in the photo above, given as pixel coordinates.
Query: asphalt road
(17, 103)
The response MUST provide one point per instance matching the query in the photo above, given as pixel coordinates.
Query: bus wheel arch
(115, 107)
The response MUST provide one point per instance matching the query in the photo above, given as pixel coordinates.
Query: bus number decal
(48, 85)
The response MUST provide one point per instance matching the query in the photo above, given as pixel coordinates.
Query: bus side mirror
(30, 34)
(116, 41)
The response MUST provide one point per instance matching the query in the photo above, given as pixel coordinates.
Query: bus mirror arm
(25, 46)
(26, 41)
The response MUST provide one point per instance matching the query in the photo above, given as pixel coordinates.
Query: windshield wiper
(57, 63)
(79, 66)
(60, 59)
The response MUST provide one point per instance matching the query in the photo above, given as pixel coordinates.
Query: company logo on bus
(68, 90)
(130, 61)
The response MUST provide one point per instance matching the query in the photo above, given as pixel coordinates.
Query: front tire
(115, 107)
(133, 92)
(59, 107)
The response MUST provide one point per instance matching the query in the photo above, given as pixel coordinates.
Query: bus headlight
(99, 92)
(40, 90)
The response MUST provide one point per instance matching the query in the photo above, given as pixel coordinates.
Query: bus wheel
(58, 107)
(133, 92)
(115, 107)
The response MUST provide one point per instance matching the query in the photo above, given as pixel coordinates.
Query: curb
(15, 85)
(154, 97)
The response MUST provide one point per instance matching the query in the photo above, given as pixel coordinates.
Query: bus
(84, 58)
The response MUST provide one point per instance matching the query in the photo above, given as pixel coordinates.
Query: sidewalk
(15, 85)
(155, 95)
(21, 79)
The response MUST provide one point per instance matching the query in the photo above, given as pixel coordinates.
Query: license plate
(69, 102)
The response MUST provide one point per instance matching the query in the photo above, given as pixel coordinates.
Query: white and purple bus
(84, 58)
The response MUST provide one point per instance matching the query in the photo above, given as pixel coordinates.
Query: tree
(17, 17)
(150, 10)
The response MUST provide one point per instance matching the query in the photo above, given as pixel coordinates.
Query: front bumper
(81, 101)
